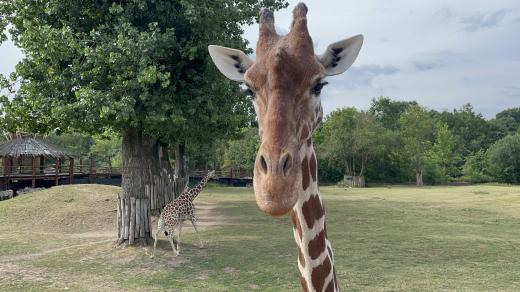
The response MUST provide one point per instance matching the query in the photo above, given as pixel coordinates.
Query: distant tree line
(404, 142)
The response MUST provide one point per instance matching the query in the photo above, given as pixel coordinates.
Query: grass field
(384, 239)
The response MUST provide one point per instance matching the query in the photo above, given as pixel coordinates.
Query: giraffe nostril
(263, 164)
(286, 163)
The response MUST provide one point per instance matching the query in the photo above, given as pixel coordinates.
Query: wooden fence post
(71, 171)
(42, 164)
(109, 167)
(57, 169)
(9, 170)
(92, 172)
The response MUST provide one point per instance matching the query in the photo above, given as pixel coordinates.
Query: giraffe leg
(170, 238)
(179, 239)
(194, 222)
(160, 228)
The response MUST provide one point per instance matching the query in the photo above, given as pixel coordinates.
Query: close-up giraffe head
(285, 83)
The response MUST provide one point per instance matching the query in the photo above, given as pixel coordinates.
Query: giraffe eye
(316, 90)
(248, 91)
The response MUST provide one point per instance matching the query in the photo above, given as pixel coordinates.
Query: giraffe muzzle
(276, 181)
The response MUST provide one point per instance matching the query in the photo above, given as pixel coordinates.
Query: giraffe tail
(165, 232)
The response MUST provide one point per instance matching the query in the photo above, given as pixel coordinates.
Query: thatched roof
(30, 146)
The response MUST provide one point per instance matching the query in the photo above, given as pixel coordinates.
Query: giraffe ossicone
(177, 211)
(285, 81)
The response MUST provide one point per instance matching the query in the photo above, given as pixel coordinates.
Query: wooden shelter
(26, 157)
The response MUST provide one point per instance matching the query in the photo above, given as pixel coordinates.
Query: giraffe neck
(195, 191)
(315, 256)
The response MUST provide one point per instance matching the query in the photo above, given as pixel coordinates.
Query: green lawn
(384, 239)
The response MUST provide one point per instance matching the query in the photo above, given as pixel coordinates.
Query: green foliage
(241, 153)
(388, 111)
(507, 121)
(417, 130)
(444, 154)
(94, 66)
(351, 138)
(202, 155)
(504, 159)
(471, 129)
(107, 147)
(330, 171)
(475, 168)
(76, 143)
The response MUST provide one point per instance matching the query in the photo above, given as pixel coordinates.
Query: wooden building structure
(26, 157)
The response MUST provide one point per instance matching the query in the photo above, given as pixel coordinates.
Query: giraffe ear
(230, 62)
(339, 56)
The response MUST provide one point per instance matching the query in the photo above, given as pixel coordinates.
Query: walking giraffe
(285, 82)
(177, 211)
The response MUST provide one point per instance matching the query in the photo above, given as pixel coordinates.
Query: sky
(441, 53)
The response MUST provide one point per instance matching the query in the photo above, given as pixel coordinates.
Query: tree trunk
(358, 181)
(133, 202)
(180, 169)
(152, 165)
(167, 175)
(418, 178)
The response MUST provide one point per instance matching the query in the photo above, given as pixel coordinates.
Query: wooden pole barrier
(42, 164)
(71, 170)
(57, 169)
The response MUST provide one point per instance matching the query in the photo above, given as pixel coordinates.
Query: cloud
(362, 76)
(445, 13)
(480, 21)
(421, 66)
(434, 60)
(511, 91)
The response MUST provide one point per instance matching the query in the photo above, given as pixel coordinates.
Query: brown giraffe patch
(296, 223)
(305, 132)
(305, 173)
(312, 210)
(304, 284)
(309, 142)
(312, 165)
(320, 273)
(301, 257)
(317, 245)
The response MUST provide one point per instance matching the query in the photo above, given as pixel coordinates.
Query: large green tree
(445, 153)
(137, 67)
(507, 121)
(241, 152)
(388, 111)
(353, 138)
(417, 130)
(471, 129)
(504, 159)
